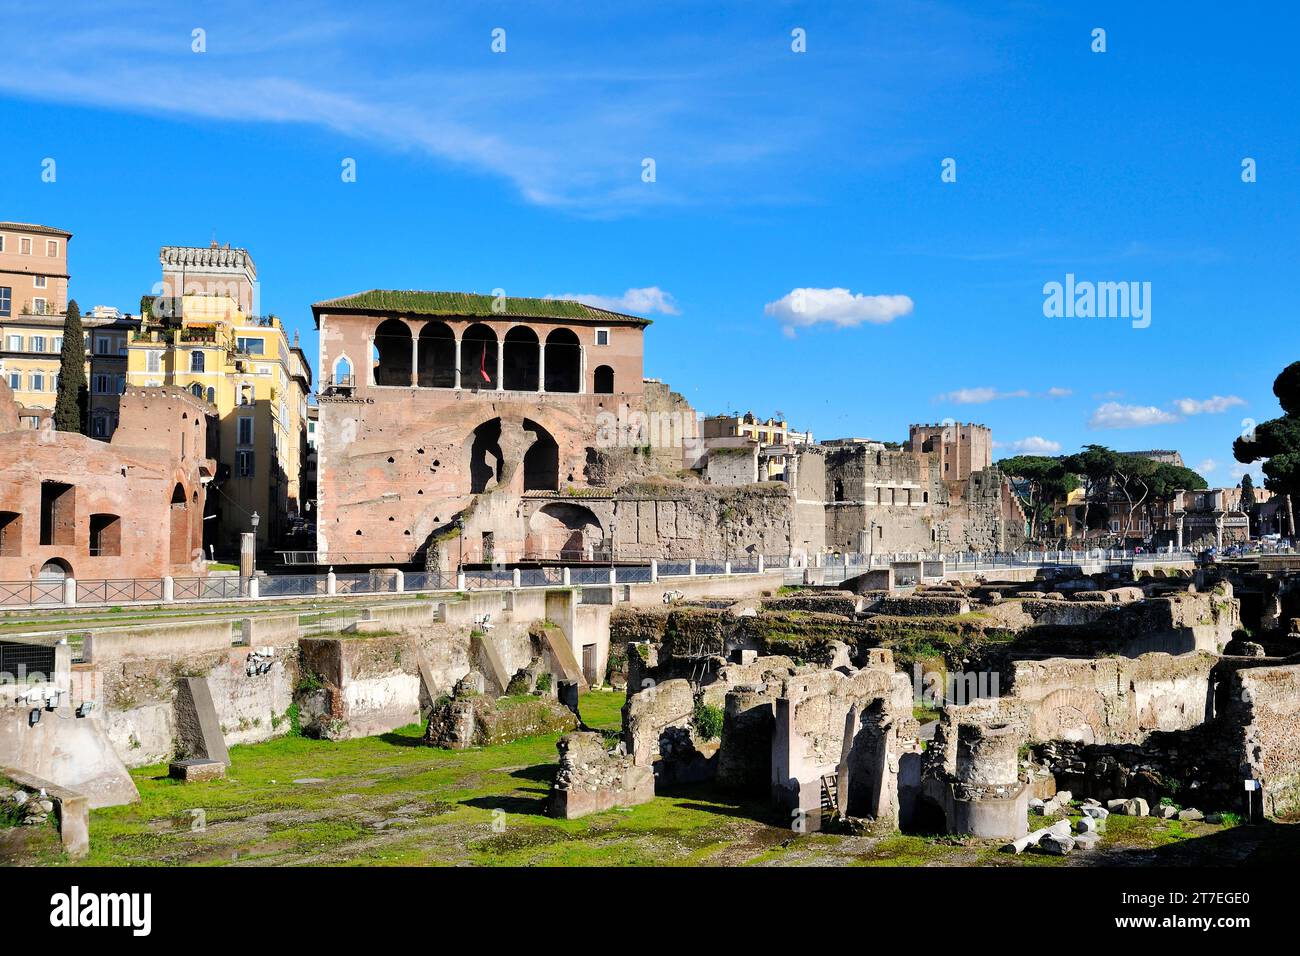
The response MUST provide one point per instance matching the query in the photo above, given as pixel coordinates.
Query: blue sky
(775, 171)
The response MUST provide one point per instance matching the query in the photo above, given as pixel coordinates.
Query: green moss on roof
(466, 303)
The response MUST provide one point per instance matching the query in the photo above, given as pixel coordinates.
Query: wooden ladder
(830, 795)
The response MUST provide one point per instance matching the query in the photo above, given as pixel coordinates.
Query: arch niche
(563, 530)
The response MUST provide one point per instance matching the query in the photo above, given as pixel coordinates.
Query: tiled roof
(33, 227)
(412, 302)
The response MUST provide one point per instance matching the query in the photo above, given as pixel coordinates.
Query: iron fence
(285, 585)
(636, 574)
(223, 587)
(18, 661)
(27, 593)
(427, 581)
(111, 591)
(674, 569)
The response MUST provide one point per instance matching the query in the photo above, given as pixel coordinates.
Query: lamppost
(254, 521)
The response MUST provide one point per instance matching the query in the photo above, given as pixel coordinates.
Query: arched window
(343, 371)
(212, 395)
(604, 380)
(563, 361)
(392, 353)
(522, 357)
(180, 526)
(196, 390)
(485, 456)
(478, 358)
(196, 361)
(437, 356)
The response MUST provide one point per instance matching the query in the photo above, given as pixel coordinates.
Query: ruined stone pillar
(516, 579)
(760, 564)
(399, 582)
(654, 570)
(331, 584)
(169, 589)
(70, 592)
(254, 591)
(692, 567)
(567, 578)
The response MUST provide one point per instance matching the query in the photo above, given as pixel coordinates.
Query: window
(101, 385)
(58, 343)
(11, 534)
(52, 248)
(2, 243)
(251, 346)
(196, 390)
(121, 384)
(602, 336)
(244, 464)
(41, 282)
(38, 343)
(105, 536)
(58, 513)
(212, 395)
(16, 380)
(99, 427)
(38, 382)
(24, 247)
(38, 306)
(102, 345)
(14, 343)
(196, 361)
(245, 431)
(153, 361)
(6, 299)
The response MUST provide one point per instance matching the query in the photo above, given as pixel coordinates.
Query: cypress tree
(70, 406)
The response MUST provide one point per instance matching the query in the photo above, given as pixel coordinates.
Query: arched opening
(478, 358)
(55, 569)
(485, 457)
(197, 361)
(392, 354)
(105, 536)
(196, 390)
(343, 372)
(563, 530)
(180, 525)
(437, 356)
(522, 358)
(541, 461)
(603, 379)
(563, 361)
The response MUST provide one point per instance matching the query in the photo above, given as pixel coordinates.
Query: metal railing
(20, 660)
(122, 590)
(28, 593)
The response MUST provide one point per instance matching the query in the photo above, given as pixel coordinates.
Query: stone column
(501, 365)
(457, 382)
(399, 582)
(516, 579)
(654, 571)
(247, 553)
(415, 361)
(331, 584)
(169, 589)
(70, 592)
(541, 365)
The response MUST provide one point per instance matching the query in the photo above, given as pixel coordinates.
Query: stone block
(196, 771)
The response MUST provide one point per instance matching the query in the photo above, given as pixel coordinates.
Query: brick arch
(1069, 714)
(563, 530)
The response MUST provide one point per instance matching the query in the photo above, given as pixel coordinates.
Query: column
(582, 368)
(457, 382)
(541, 365)
(169, 589)
(415, 360)
(70, 592)
(399, 582)
(501, 365)
(654, 571)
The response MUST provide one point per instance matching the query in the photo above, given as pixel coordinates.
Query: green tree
(1247, 492)
(1277, 441)
(1095, 466)
(1044, 482)
(70, 405)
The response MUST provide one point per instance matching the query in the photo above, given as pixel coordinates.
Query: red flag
(482, 366)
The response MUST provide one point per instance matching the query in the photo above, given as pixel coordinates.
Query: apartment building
(201, 334)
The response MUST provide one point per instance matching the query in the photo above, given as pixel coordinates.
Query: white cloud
(1033, 445)
(978, 396)
(1056, 392)
(1209, 406)
(804, 308)
(1207, 466)
(636, 301)
(1115, 415)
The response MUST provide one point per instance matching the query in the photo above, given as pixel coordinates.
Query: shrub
(707, 721)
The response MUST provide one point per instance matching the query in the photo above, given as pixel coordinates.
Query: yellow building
(202, 334)
(774, 437)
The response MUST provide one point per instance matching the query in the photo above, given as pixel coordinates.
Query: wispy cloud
(1115, 415)
(644, 301)
(984, 394)
(564, 122)
(1033, 445)
(804, 308)
(1209, 406)
(1207, 465)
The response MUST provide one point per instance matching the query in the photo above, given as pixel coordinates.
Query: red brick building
(450, 422)
(72, 506)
